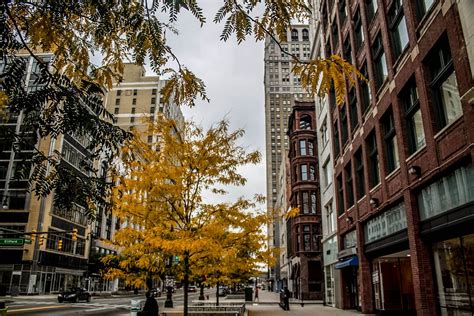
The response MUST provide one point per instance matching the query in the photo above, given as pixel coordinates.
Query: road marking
(35, 308)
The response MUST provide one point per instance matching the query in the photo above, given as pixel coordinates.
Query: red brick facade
(445, 148)
(306, 248)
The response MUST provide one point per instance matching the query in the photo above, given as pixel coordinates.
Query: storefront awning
(352, 261)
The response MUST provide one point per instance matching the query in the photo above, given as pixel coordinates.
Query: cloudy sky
(233, 75)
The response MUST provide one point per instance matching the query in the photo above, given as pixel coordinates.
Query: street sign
(12, 242)
(27, 241)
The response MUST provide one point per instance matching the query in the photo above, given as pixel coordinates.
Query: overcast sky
(233, 75)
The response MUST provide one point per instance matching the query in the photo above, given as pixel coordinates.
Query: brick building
(403, 150)
(304, 231)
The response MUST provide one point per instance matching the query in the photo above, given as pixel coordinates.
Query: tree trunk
(186, 281)
(201, 292)
(217, 294)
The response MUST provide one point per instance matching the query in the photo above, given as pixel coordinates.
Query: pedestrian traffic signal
(74, 234)
(33, 235)
(41, 240)
(60, 244)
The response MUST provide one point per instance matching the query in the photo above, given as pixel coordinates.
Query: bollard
(3, 309)
(134, 307)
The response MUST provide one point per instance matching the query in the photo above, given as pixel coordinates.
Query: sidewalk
(307, 310)
(266, 297)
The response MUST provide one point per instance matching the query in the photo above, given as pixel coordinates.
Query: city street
(115, 305)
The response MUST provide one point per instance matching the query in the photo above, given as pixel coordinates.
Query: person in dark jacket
(151, 306)
(286, 299)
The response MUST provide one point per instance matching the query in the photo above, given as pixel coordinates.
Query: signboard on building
(12, 242)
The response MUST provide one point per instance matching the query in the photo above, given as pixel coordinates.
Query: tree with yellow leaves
(69, 86)
(160, 198)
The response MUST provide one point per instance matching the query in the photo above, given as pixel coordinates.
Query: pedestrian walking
(256, 294)
(286, 299)
(151, 306)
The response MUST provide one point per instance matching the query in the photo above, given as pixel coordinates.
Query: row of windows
(308, 237)
(445, 107)
(135, 92)
(304, 172)
(134, 101)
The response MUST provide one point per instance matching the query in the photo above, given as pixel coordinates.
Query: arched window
(294, 35)
(305, 35)
(305, 122)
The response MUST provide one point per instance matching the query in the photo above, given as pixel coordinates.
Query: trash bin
(3, 309)
(248, 294)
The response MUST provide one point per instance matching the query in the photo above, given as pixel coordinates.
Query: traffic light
(33, 235)
(60, 244)
(41, 240)
(74, 234)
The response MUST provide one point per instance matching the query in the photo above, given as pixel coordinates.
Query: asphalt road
(118, 305)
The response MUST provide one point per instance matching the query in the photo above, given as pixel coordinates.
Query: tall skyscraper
(282, 88)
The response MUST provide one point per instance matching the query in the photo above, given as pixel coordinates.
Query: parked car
(222, 291)
(192, 288)
(156, 292)
(74, 295)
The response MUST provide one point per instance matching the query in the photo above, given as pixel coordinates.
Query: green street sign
(12, 242)
(27, 241)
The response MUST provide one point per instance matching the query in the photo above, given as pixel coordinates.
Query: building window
(359, 170)
(153, 101)
(398, 28)
(305, 122)
(331, 223)
(327, 170)
(347, 50)
(365, 90)
(335, 35)
(116, 111)
(342, 12)
(134, 101)
(423, 6)
(380, 63)
(294, 35)
(133, 110)
(447, 101)
(392, 160)
(310, 147)
(349, 186)
(306, 238)
(153, 91)
(305, 35)
(132, 120)
(117, 101)
(340, 196)
(305, 202)
(303, 151)
(152, 109)
(150, 139)
(337, 147)
(371, 6)
(374, 173)
(353, 111)
(324, 133)
(359, 32)
(304, 172)
(312, 172)
(119, 93)
(313, 204)
(413, 119)
(344, 123)
(135, 91)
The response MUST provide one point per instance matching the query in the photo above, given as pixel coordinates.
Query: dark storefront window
(454, 267)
